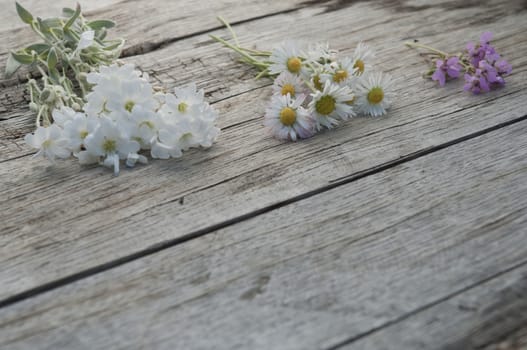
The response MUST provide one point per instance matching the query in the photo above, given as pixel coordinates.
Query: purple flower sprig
(482, 65)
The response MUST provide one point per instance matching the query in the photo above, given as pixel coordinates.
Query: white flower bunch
(315, 88)
(109, 112)
(122, 116)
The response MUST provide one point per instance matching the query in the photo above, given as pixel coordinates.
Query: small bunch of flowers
(484, 69)
(115, 112)
(314, 88)
(124, 115)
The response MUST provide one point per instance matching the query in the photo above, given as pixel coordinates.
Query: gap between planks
(94, 295)
(199, 233)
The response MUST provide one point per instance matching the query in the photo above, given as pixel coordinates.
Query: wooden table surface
(401, 232)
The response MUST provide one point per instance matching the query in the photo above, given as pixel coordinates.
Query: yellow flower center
(375, 96)
(326, 105)
(294, 64)
(359, 64)
(109, 146)
(47, 144)
(147, 123)
(340, 76)
(186, 136)
(129, 105)
(288, 89)
(83, 134)
(182, 107)
(317, 83)
(287, 116)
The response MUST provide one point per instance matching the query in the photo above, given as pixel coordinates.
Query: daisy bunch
(315, 88)
(481, 65)
(110, 113)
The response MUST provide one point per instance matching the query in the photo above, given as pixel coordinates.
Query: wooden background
(401, 232)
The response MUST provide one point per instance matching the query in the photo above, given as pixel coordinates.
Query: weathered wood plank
(197, 59)
(316, 272)
(492, 316)
(10, 23)
(157, 23)
(77, 221)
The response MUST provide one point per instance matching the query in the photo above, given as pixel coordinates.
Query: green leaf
(42, 26)
(69, 37)
(67, 12)
(100, 24)
(53, 22)
(113, 46)
(73, 18)
(24, 14)
(22, 57)
(52, 59)
(11, 66)
(101, 34)
(38, 48)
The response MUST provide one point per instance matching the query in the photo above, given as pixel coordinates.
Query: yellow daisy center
(288, 89)
(83, 134)
(294, 64)
(340, 76)
(109, 146)
(375, 96)
(359, 64)
(326, 105)
(287, 116)
(129, 105)
(182, 107)
(317, 83)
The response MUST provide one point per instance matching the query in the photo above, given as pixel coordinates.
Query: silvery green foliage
(70, 48)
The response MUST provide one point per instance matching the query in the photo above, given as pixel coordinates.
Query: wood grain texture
(156, 24)
(61, 220)
(401, 244)
(491, 316)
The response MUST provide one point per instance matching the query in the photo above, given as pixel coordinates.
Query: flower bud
(82, 76)
(76, 106)
(33, 107)
(47, 95)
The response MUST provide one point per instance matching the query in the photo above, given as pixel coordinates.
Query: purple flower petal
(485, 38)
(439, 75)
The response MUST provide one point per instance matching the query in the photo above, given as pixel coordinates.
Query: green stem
(248, 58)
(310, 86)
(226, 24)
(415, 45)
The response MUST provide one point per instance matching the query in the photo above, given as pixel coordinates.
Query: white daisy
(287, 83)
(331, 104)
(49, 141)
(286, 57)
(287, 119)
(321, 53)
(340, 72)
(361, 58)
(375, 94)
